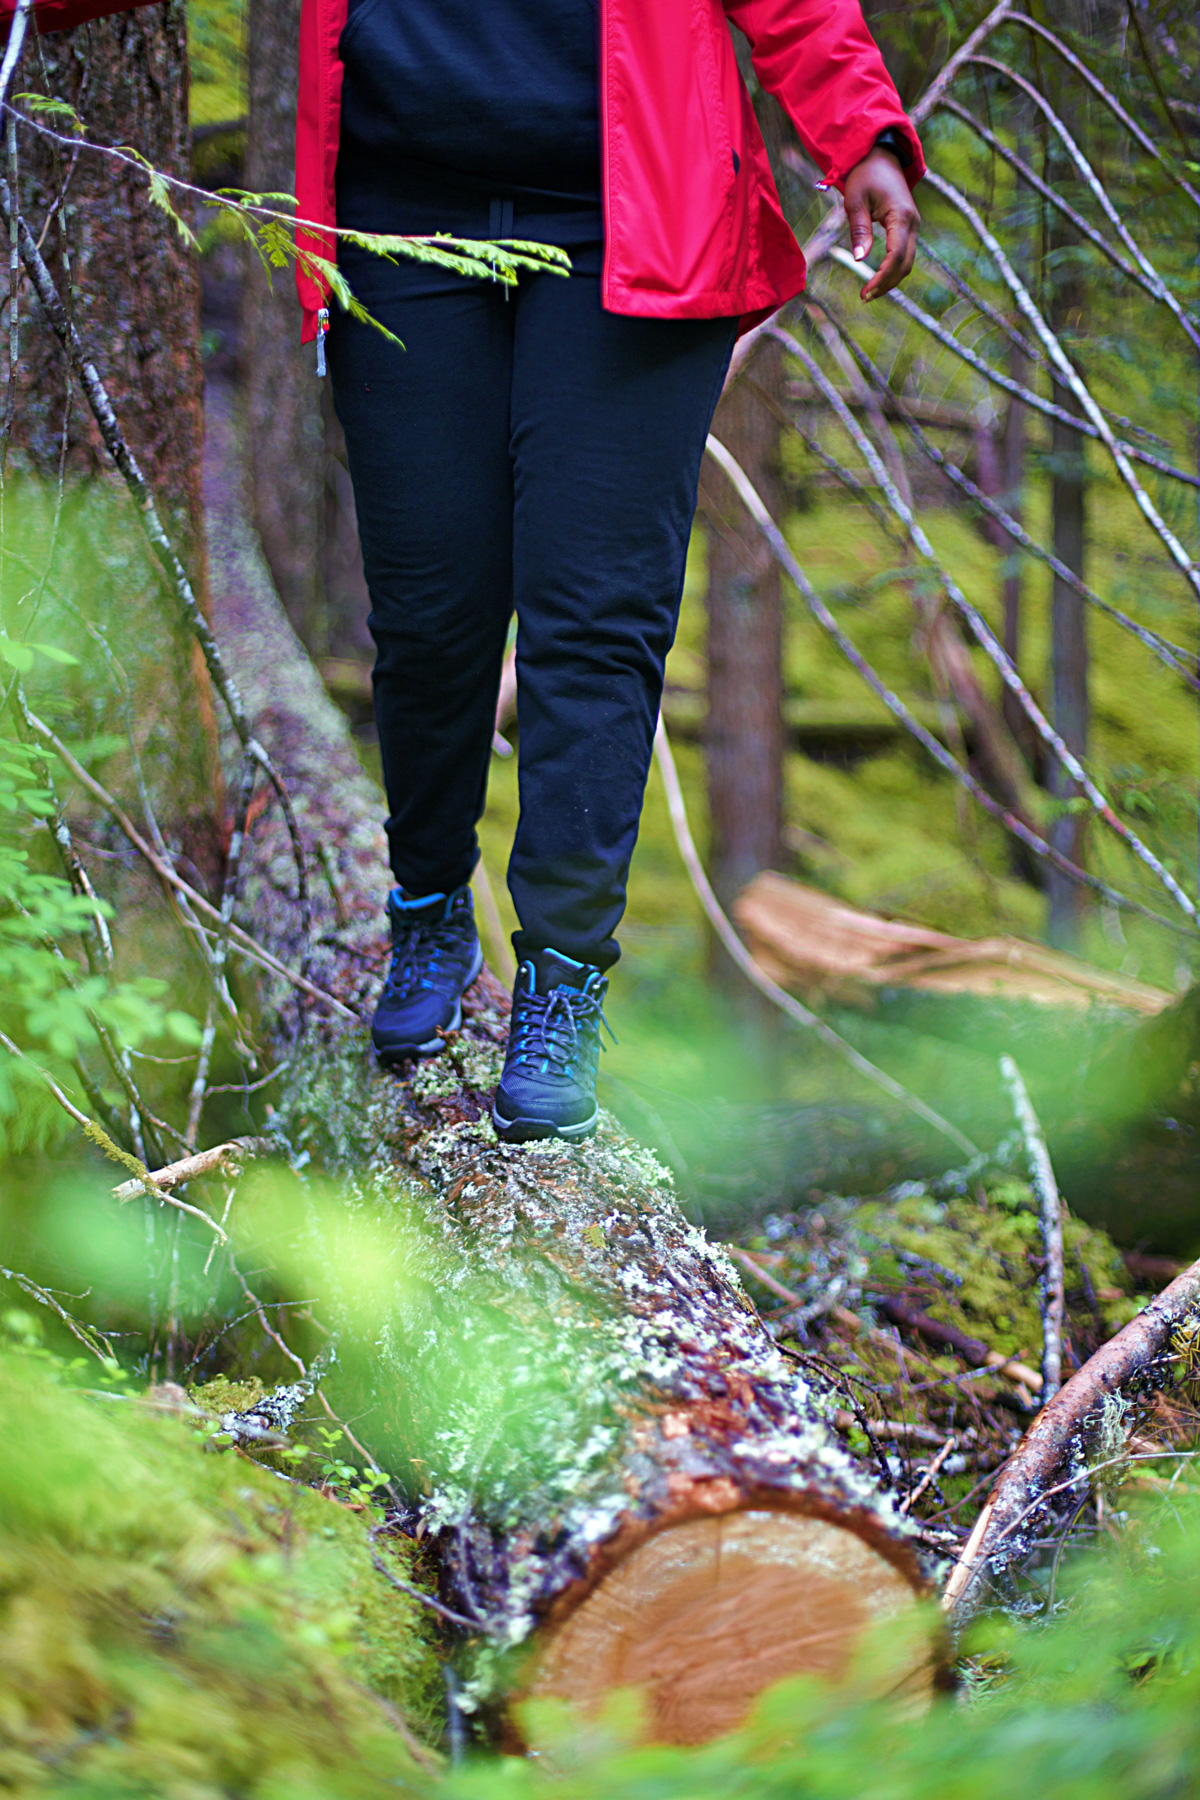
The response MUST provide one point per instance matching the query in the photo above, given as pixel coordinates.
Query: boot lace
(423, 954)
(554, 1029)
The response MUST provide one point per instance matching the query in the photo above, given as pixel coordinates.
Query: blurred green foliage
(178, 1622)
(217, 54)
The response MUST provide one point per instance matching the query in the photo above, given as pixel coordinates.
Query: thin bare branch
(1153, 282)
(1041, 1177)
(1028, 396)
(1110, 100)
(1056, 199)
(983, 633)
(783, 554)
(929, 100)
(1173, 655)
(224, 1159)
(1066, 374)
(172, 880)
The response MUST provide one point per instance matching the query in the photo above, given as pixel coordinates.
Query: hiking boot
(435, 958)
(548, 1088)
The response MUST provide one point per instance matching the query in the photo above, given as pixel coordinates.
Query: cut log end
(704, 1616)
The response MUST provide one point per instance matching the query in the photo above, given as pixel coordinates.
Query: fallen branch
(224, 1159)
(972, 1350)
(929, 1476)
(1056, 1437)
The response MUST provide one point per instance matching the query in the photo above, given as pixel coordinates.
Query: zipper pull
(322, 328)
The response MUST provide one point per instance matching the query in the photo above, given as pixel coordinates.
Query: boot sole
(390, 1054)
(530, 1131)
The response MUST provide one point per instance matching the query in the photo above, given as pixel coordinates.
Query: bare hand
(876, 192)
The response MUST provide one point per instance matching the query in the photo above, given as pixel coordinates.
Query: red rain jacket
(693, 225)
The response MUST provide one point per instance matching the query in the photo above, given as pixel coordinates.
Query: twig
(225, 1159)
(406, 1587)
(98, 1136)
(88, 1335)
(268, 1328)
(1041, 1175)
(929, 1476)
(168, 875)
(746, 963)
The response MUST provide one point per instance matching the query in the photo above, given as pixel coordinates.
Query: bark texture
(131, 287)
(1069, 668)
(569, 1369)
(745, 641)
(133, 281)
(300, 485)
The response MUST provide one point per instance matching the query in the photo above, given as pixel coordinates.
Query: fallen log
(814, 942)
(1056, 1444)
(624, 1479)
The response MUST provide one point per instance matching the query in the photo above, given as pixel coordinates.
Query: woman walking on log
(539, 448)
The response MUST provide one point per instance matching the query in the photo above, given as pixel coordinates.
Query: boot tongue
(553, 970)
(406, 909)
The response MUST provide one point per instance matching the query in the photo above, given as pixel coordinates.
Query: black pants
(526, 448)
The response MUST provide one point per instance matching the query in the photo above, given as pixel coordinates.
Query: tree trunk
(280, 393)
(745, 643)
(618, 1466)
(133, 288)
(135, 283)
(299, 481)
(1012, 472)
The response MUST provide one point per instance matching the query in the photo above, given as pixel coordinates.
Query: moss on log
(602, 1438)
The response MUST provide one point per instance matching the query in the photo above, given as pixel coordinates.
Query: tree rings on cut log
(703, 1616)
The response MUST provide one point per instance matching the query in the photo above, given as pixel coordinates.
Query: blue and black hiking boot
(435, 958)
(548, 1088)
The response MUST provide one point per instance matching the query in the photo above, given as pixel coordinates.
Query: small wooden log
(1054, 1445)
(617, 1464)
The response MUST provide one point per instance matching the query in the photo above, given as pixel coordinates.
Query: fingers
(901, 225)
(858, 215)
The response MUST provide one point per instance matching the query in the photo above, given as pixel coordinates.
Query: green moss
(986, 1249)
(223, 1395)
(183, 1624)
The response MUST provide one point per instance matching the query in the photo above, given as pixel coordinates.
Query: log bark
(626, 1480)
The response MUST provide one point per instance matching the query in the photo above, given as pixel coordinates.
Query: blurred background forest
(988, 491)
(788, 761)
